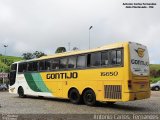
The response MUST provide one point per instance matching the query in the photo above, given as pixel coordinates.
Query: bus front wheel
(74, 96)
(89, 97)
(21, 92)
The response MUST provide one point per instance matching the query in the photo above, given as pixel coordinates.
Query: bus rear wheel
(21, 92)
(89, 97)
(74, 96)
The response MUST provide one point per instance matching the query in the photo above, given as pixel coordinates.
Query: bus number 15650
(109, 73)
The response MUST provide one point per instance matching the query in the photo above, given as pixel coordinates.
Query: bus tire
(74, 96)
(89, 97)
(21, 92)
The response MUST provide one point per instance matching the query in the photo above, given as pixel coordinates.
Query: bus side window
(24, 67)
(81, 61)
(95, 59)
(72, 62)
(105, 58)
(63, 63)
(35, 66)
(113, 57)
(47, 65)
(116, 57)
(54, 64)
(20, 67)
(41, 65)
(119, 57)
(88, 60)
(30, 66)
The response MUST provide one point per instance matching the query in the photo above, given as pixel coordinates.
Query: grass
(153, 80)
(13, 58)
(154, 66)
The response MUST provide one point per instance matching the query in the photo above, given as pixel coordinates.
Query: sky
(44, 25)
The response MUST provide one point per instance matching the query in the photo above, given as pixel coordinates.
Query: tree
(27, 56)
(60, 50)
(36, 54)
(39, 54)
(75, 48)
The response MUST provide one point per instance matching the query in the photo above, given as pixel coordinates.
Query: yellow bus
(111, 73)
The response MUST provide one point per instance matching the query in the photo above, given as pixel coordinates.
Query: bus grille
(113, 91)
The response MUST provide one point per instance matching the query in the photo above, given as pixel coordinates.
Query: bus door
(12, 74)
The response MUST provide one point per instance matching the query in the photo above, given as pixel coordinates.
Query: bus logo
(140, 52)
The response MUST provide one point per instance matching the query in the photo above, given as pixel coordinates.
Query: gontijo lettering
(62, 75)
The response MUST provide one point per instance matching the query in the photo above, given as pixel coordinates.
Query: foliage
(154, 72)
(75, 48)
(27, 56)
(36, 54)
(60, 50)
(6, 61)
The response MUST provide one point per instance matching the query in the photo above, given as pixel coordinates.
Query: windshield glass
(139, 59)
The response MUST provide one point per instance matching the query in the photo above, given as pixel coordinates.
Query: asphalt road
(12, 104)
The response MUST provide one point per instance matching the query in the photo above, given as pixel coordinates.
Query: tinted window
(22, 67)
(95, 59)
(81, 61)
(88, 60)
(105, 58)
(72, 62)
(119, 56)
(41, 65)
(14, 67)
(47, 65)
(55, 64)
(63, 63)
(35, 66)
(116, 57)
(30, 66)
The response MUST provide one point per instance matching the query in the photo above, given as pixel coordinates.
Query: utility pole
(5, 46)
(69, 44)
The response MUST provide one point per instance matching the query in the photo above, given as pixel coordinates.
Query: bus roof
(57, 55)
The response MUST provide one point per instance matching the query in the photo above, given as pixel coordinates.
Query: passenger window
(35, 66)
(113, 57)
(47, 65)
(81, 61)
(72, 62)
(116, 57)
(24, 67)
(119, 56)
(55, 64)
(88, 60)
(95, 59)
(30, 66)
(105, 58)
(41, 65)
(20, 67)
(63, 63)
